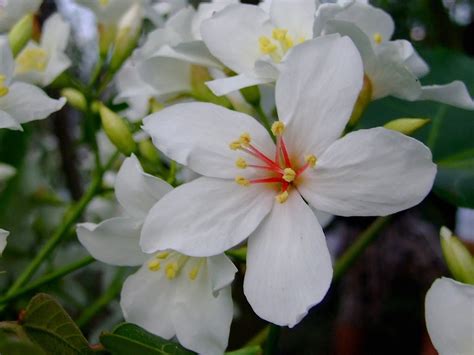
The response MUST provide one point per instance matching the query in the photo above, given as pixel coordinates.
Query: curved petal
(373, 172)
(205, 217)
(198, 135)
(296, 16)
(55, 34)
(232, 35)
(455, 94)
(115, 241)
(225, 86)
(221, 271)
(3, 239)
(288, 264)
(449, 312)
(57, 64)
(137, 191)
(202, 320)
(7, 121)
(316, 101)
(147, 299)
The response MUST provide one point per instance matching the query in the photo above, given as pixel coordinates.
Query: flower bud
(407, 126)
(21, 33)
(75, 98)
(199, 76)
(116, 128)
(148, 150)
(458, 259)
(107, 35)
(127, 36)
(365, 96)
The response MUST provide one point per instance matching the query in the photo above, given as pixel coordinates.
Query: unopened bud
(75, 98)
(148, 151)
(21, 33)
(458, 258)
(365, 96)
(118, 131)
(199, 76)
(407, 126)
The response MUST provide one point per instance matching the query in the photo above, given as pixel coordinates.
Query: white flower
(41, 63)
(366, 173)
(393, 67)
(21, 102)
(14, 10)
(449, 313)
(171, 294)
(3, 240)
(164, 9)
(109, 12)
(252, 42)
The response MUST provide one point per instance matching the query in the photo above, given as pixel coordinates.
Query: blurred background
(376, 308)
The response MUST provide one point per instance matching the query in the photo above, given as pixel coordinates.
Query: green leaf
(249, 350)
(449, 135)
(47, 324)
(14, 341)
(129, 338)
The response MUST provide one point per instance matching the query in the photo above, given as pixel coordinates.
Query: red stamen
(277, 152)
(285, 153)
(270, 168)
(284, 186)
(302, 169)
(262, 156)
(265, 180)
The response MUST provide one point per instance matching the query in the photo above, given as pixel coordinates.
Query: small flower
(171, 294)
(449, 307)
(253, 188)
(21, 102)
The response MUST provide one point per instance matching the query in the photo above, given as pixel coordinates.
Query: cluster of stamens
(278, 44)
(173, 263)
(32, 59)
(280, 168)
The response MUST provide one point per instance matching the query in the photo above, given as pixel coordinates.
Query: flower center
(173, 263)
(3, 88)
(32, 59)
(378, 38)
(278, 44)
(280, 169)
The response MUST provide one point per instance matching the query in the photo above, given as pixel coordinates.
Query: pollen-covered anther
(278, 128)
(154, 265)
(171, 270)
(311, 160)
(162, 255)
(378, 38)
(266, 45)
(235, 145)
(283, 37)
(245, 139)
(242, 181)
(241, 163)
(32, 59)
(282, 197)
(289, 175)
(3, 88)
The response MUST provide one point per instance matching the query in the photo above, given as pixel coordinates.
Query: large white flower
(3, 240)
(393, 67)
(449, 313)
(21, 102)
(254, 188)
(13, 10)
(171, 294)
(252, 42)
(41, 63)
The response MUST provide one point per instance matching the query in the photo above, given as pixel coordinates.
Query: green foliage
(129, 339)
(450, 135)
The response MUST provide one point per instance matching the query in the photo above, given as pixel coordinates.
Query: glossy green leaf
(131, 339)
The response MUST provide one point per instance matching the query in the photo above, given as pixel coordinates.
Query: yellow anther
(104, 3)
(279, 33)
(311, 160)
(162, 255)
(241, 163)
(378, 38)
(3, 88)
(242, 181)
(32, 59)
(193, 273)
(266, 45)
(154, 265)
(235, 145)
(245, 139)
(278, 128)
(289, 175)
(281, 198)
(171, 270)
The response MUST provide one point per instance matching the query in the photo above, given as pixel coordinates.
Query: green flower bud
(118, 131)
(199, 76)
(75, 98)
(148, 151)
(107, 35)
(458, 259)
(407, 126)
(365, 96)
(21, 33)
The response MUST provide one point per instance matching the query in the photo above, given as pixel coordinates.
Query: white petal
(449, 312)
(7, 121)
(324, 13)
(455, 94)
(296, 16)
(55, 34)
(147, 300)
(7, 63)
(6, 172)
(225, 86)
(137, 191)
(323, 218)
(115, 241)
(3, 240)
(205, 217)
(413, 61)
(221, 271)
(194, 52)
(26, 103)
(202, 320)
(316, 101)
(373, 172)
(57, 64)
(288, 264)
(232, 35)
(198, 135)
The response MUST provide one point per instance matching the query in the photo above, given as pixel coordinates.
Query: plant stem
(263, 118)
(49, 278)
(112, 292)
(346, 260)
(272, 340)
